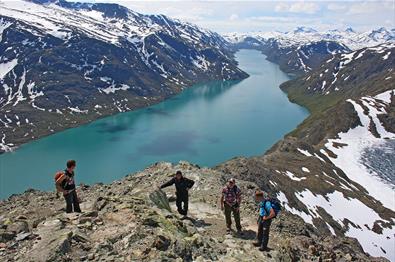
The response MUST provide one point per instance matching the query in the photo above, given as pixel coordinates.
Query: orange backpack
(59, 177)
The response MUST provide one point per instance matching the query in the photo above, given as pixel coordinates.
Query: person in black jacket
(67, 187)
(182, 184)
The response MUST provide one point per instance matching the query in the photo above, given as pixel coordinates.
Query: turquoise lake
(206, 124)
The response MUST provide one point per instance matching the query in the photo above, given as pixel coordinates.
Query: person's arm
(169, 183)
(59, 186)
(238, 197)
(268, 206)
(271, 215)
(190, 183)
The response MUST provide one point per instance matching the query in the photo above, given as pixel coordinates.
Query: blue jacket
(264, 208)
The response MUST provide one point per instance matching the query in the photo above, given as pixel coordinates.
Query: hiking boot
(263, 249)
(184, 217)
(228, 231)
(257, 244)
(240, 232)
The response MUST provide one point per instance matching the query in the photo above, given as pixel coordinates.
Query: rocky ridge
(129, 220)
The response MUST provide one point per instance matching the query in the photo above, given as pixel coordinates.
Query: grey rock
(18, 227)
(22, 236)
(162, 243)
(160, 199)
(6, 236)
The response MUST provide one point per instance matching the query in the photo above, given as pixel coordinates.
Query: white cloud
(298, 7)
(233, 17)
(370, 8)
(274, 19)
(336, 7)
(282, 7)
(262, 15)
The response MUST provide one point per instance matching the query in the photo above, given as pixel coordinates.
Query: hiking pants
(263, 231)
(72, 202)
(228, 216)
(182, 199)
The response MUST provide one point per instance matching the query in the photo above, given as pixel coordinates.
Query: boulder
(22, 236)
(54, 241)
(195, 240)
(6, 236)
(79, 236)
(18, 227)
(161, 243)
(159, 198)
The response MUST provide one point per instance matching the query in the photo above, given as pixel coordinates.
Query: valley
(306, 115)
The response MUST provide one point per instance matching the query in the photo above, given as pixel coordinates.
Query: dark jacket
(182, 185)
(69, 183)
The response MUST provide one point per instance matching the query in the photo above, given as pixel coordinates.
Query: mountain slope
(63, 64)
(130, 220)
(330, 170)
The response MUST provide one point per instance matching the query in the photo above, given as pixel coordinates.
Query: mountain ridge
(304, 49)
(130, 219)
(324, 160)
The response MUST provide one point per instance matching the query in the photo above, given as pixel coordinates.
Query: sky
(260, 15)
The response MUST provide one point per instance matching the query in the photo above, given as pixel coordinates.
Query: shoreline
(149, 101)
(261, 152)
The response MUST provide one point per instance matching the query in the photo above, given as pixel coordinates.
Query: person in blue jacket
(266, 214)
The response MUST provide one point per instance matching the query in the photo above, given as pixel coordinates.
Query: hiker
(65, 183)
(230, 203)
(266, 214)
(182, 184)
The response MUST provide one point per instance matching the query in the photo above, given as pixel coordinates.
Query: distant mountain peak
(349, 30)
(303, 29)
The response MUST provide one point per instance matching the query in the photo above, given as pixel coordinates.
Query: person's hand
(66, 192)
(237, 209)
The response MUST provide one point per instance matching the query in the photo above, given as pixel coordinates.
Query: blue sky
(243, 16)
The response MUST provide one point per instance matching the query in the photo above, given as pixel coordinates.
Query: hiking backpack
(59, 177)
(276, 205)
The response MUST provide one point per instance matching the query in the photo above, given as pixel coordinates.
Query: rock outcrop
(130, 220)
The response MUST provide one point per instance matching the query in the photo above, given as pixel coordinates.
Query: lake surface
(206, 124)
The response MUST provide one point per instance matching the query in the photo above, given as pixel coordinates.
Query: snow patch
(349, 157)
(304, 152)
(293, 177)
(6, 67)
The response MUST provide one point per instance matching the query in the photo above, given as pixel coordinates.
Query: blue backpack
(276, 205)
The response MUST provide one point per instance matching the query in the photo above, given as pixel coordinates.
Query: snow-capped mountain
(344, 72)
(63, 63)
(352, 97)
(302, 35)
(304, 49)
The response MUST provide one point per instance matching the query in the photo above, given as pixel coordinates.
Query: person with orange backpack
(64, 182)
